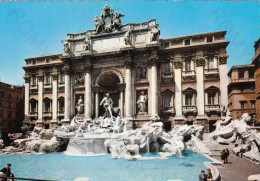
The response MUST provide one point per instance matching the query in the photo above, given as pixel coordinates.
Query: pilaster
(88, 93)
(177, 61)
(67, 102)
(200, 63)
(39, 122)
(26, 99)
(223, 80)
(54, 121)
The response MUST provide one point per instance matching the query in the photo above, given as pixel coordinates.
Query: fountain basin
(60, 166)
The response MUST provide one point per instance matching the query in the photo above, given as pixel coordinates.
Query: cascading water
(148, 145)
(84, 146)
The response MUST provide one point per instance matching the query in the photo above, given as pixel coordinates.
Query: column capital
(177, 63)
(96, 89)
(223, 59)
(88, 68)
(66, 70)
(40, 78)
(55, 76)
(27, 79)
(129, 63)
(199, 61)
(153, 61)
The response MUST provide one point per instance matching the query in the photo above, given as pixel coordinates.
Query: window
(167, 69)
(10, 96)
(47, 60)
(62, 78)
(1, 103)
(242, 104)
(47, 105)
(34, 62)
(168, 100)
(252, 104)
(166, 45)
(242, 89)
(210, 63)
(33, 80)
(188, 99)
(33, 106)
(17, 97)
(241, 74)
(209, 39)
(1, 114)
(251, 74)
(2, 94)
(187, 42)
(61, 104)
(47, 78)
(252, 88)
(187, 65)
(9, 105)
(9, 115)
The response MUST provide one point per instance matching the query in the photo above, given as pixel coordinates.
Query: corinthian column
(200, 63)
(54, 121)
(178, 89)
(88, 93)
(39, 122)
(153, 63)
(66, 119)
(223, 79)
(26, 100)
(128, 89)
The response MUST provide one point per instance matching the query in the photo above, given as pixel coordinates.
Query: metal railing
(20, 178)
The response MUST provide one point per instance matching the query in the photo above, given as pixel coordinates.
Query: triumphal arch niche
(114, 60)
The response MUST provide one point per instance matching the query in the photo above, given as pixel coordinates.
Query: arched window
(46, 105)
(168, 100)
(61, 105)
(189, 96)
(33, 105)
(212, 95)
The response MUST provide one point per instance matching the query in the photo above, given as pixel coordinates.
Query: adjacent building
(11, 108)
(241, 90)
(256, 62)
(184, 78)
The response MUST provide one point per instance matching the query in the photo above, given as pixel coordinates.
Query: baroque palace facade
(184, 78)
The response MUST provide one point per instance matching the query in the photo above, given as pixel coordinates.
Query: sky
(35, 28)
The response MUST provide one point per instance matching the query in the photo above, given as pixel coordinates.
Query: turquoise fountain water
(59, 166)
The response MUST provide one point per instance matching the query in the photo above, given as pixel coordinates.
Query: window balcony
(188, 75)
(61, 113)
(212, 108)
(189, 109)
(33, 114)
(168, 110)
(167, 76)
(33, 86)
(211, 73)
(47, 85)
(47, 113)
(61, 84)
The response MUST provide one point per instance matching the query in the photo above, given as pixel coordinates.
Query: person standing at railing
(6, 171)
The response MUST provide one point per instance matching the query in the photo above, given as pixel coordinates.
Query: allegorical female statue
(80, 106)
(141, 103)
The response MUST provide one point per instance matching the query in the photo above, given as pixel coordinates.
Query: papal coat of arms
(108, 21)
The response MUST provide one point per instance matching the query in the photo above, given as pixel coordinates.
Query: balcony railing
(33, 86)
(211, 70)
(188, 75)
(33, 113)
(168, 109)
(61, 113)
(189, 109)
(46, 113)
